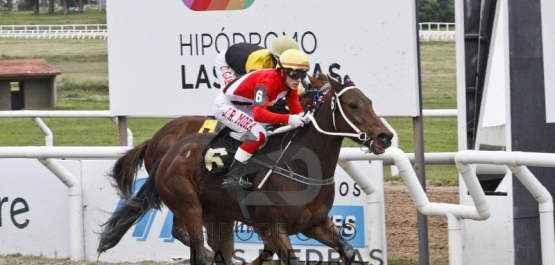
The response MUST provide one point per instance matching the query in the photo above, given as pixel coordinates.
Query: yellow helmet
(294, 59)
(281, 44)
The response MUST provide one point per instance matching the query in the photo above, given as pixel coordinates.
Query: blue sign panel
(348, 219)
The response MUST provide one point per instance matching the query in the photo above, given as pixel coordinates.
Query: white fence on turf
(80, 245)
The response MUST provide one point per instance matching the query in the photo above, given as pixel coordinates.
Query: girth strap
(240, 196)
(302, 179)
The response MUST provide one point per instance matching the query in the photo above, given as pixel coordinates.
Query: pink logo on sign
(211, 5)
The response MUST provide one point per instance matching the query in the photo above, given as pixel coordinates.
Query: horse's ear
(336, 85)
(347, 81)
(322, 76)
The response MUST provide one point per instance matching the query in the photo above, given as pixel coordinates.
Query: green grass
(438, 75)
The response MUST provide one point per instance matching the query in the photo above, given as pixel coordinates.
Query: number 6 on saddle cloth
(220, 151)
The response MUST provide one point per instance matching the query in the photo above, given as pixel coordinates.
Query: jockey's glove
(296, 120)
(305, 117)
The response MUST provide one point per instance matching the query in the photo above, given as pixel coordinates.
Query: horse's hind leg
(191, 218)
(328, 234)
(179, 232)
(279, 242)
(220, 238)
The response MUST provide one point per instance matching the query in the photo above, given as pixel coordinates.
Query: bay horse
(124, 172)
(195, 197)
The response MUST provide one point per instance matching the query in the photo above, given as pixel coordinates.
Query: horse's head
(352, 113)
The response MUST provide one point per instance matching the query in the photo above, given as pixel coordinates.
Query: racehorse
(196, 199)
(125, 170)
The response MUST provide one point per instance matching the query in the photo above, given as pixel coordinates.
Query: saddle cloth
(219, 153)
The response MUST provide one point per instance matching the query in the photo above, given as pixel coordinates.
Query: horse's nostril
(385, 137)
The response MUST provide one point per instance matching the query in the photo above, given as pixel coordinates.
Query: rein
(318, 100)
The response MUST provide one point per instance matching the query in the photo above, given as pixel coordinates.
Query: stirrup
(245, 184)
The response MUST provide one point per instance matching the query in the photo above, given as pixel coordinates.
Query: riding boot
(235, 175)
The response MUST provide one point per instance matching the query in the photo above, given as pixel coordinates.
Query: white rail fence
(36, 115)
(75, 31)
(436, 31)
(516, 162)
(455, 213)
(428, 31)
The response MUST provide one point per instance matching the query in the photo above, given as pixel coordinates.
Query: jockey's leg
(238, 170)
(239, 119)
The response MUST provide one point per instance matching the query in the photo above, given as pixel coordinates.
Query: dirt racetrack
(401, 224)
(402, 235)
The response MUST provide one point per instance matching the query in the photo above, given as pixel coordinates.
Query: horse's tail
(125, 170)
(130, 212)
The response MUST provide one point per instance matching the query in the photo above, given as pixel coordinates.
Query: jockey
(241, 106)
(242, 58)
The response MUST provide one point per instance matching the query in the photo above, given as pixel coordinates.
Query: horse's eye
(353, 106)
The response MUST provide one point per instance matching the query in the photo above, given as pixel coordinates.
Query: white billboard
(161, 53)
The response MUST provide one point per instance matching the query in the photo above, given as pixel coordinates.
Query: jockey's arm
(293, 102)
(262, 114)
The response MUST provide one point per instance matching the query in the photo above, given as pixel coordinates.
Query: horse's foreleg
(266, 255)
(279, 242)
(328, 234)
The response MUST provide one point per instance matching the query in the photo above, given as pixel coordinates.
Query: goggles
(295, 74)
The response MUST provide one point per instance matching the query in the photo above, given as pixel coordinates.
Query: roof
(27, 68)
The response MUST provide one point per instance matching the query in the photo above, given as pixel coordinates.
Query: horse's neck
(326, 147)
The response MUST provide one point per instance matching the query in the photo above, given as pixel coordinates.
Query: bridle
(319, 100)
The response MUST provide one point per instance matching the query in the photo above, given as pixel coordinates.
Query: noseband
(363, 136)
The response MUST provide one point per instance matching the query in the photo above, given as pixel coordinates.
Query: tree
(6, 5)
(436, 11)
(27, 5)
(63, 3)
(37, 6)
(427, 10)
(50, 6)
(447, 8)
